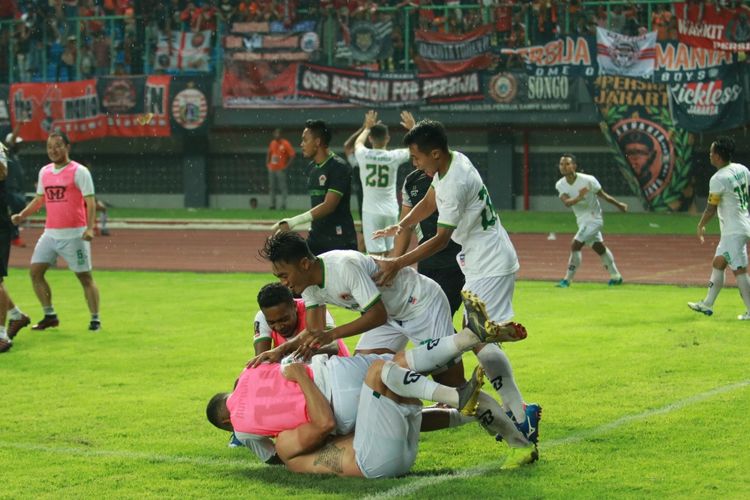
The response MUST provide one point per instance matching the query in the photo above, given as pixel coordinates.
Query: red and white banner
(704, 25)
(183, 51)
(117, 108)
(623, 55)
(449, 53)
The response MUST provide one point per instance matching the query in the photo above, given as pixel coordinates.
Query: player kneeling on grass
(728, 196)
(581, 192)
(361, 416)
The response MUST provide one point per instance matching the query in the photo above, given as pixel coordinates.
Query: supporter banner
(182, 51)
(567, 56)
(87, 109)
(190, 101)
(271, 42)
(365, 42)
(710, 106)
(677, 62)
(385, 89)
(260, 64)
(705, 25)
(651, 152)
(134, 106)
(449, 53)
(4, 109)
(625, 55)
(518, 91)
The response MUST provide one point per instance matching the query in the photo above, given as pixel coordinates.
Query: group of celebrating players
(304, 401)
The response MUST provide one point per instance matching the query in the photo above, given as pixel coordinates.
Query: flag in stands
(183, 51)
(625, 55)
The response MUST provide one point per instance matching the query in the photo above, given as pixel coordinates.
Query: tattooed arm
(336, 456)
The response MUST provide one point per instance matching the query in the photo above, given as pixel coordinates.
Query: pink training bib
(265, 403)
(63, 200)
(279, 339)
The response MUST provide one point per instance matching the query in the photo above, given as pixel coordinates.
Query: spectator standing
(101, 50)
(280, 155)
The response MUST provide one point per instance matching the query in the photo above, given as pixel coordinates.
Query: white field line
(415, 486)
(250, 463)
(407, 489)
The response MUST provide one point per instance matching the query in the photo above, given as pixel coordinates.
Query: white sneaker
(700, 307)
(744, 317)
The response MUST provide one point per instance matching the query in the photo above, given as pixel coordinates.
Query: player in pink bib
(282, 317)
(66, 190)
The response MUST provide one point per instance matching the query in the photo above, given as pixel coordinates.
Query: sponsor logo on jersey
(412, 300)
(322, 180)
(256, 327)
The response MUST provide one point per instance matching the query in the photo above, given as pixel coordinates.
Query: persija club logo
(54, 193)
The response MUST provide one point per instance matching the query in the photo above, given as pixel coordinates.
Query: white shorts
(497, 294)
(733, 247)
(373, 222)
(345, 378)
(75, 251)
(435, 322)
(590, 233)
(387, 435)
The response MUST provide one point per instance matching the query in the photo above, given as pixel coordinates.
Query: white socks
(574, 263)
(437, 353)
(15, 313)
(608, 261)
(498, 370)
(714, 286)
(411, 384)
(496, 421)
(743, 283)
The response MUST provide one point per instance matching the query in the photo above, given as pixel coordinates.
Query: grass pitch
(513, 221)
(642, 398)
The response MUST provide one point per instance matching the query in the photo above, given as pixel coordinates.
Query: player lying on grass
(301, 409)
(282, 317)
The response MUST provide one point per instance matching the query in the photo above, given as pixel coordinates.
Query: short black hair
(319, 129)
(379, 132)
(724, 147)
(215, 410)
(286, 246)
(62, 135)
(572, 158)
(427, 135)
(274, 294)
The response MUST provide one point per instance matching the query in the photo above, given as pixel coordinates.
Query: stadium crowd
(53, 40)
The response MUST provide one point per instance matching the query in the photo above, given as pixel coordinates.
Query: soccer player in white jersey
(378, 169)
(363, 391)
(581, 192)
(414, 308)
(487, 257)
(728, 196)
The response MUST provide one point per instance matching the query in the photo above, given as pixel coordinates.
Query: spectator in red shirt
(280, 155)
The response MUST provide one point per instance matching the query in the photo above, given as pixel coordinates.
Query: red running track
(678, 260)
